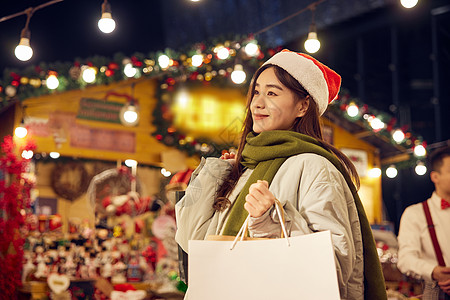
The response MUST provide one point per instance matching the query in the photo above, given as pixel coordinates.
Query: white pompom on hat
(321, 82)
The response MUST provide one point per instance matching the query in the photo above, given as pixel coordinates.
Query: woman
(282, 156)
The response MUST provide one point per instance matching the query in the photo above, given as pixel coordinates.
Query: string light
(165, 172)
(409, 3)
(21, 131)
(129, 70)
(398, 136)
(130, 163)
(24, 51)
(352, 110)
(163, 61)
(374, 172)
(54, 155)
(222, 52)
(252, 49)
(312, 44)
(27, 154)
(419, 150)
(420, 169)
(197, 60)
(106, 24)
(391, 172)
(52, 82)
(88, 74)
(238, 75)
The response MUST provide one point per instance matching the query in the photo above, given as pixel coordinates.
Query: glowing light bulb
(376, 123)
(23, 51)
(391, 172)
(129, 70)
(398, 136)
(374, 172)
(238, 75)
(251, 49)
(420, 169)
(129, 115)
(165, 172)
(131, 163)
(89, 75)
(27, 154)
(52, 82)
(54, 155)
(21, 132)
(163, 61)
(197, 60)
(312, 44)
(106, 24)
(352, 110)
(420, 151)
(223, 53)
(409, 3)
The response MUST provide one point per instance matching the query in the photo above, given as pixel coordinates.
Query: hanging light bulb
(420, 169)
(106, 24)
(352, 110)
(420, 150)
(409, 3)
(312, 44)
(163, 61)
(23, 51)
(251, 49)
(374, 172)
(52, 82)
(391, 172)
(21, 131)
(238, 75)
(197, 60)
(398, 136)
(129, 114)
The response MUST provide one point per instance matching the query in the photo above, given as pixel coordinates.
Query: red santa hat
(319, 81)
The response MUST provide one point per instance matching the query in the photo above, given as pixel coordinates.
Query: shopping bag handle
(243, 231)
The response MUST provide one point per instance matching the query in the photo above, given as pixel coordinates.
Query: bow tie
(445, 204)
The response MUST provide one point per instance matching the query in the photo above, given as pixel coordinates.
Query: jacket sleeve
(410, 245)
(194, 211)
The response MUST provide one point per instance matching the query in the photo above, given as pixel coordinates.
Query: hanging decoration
(201, 64)
(14, 201)
(70, 180)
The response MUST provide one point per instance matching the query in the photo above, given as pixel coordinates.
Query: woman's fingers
(259, 199)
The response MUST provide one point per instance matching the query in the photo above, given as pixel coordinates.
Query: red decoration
(14, 199)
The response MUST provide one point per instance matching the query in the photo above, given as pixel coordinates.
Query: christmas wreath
(70, 180)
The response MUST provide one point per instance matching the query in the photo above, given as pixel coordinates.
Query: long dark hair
(309, 124)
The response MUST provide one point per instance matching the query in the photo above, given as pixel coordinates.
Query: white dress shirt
(416, 255)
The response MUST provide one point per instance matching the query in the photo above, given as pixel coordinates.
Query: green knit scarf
(265, 153)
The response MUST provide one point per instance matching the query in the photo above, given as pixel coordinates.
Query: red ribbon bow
(445, 204)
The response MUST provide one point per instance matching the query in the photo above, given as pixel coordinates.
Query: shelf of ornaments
(146, 256)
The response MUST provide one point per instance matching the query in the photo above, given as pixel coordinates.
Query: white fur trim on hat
(307, 74)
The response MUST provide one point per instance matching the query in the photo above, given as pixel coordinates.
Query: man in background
(424, 241)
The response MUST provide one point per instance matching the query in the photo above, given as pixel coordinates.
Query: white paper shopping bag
(264, 269)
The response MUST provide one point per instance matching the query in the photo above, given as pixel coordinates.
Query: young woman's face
(273, 105)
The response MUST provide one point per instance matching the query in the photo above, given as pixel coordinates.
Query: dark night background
(394, 59)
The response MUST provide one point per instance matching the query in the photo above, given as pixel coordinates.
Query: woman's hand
(230, 157)
(259, 199)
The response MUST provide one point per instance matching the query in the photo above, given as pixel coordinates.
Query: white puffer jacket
(315, 197)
